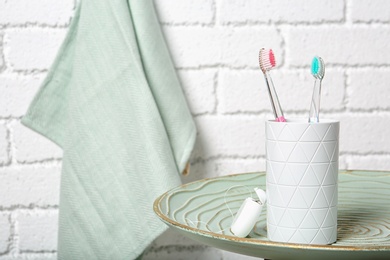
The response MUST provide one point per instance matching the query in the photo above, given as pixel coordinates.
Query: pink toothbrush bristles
(267, 58)
(272, 58)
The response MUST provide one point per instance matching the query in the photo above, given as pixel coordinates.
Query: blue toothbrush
(318, 71)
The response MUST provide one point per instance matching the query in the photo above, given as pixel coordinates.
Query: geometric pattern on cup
(306, 222)
(302, 132)
(302, 197)
(302, 177)
(313, 219)
(302, 174)
(302, 152)
(303, 236)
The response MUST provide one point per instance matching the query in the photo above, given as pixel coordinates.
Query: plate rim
(259, 242)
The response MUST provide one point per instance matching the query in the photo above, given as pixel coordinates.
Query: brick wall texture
(214, 45)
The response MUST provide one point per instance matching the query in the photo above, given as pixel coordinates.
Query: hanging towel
(113, 102)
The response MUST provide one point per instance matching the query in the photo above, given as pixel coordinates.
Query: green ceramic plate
(203, 210)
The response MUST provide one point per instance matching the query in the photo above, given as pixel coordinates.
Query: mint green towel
(113, 102)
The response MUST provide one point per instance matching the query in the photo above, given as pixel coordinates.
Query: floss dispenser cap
(248, 214)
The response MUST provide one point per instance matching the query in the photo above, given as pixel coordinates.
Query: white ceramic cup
(302, 178)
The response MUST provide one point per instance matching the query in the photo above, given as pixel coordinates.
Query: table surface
(204, 210)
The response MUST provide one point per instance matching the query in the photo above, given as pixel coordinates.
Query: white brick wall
(356, 45)
(281, 11)
(364, 83)
(3, 145)
(368, 11)
(37, 230)
(40, 12)
(1, 52)
(219, 46)
(29, 186)
(214, 44)
(17, 92)
(34, 49)
(5, 232)
(186, 12)
(32, 147)
(199, 88)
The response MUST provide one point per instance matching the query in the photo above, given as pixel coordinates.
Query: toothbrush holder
(302, 181)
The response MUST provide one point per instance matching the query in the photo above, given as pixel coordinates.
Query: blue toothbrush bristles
(318, 67)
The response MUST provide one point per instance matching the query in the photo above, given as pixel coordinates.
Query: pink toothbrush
(267, 62)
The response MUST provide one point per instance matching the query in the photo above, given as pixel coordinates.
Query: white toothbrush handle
(277, 109)
(314, 116)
